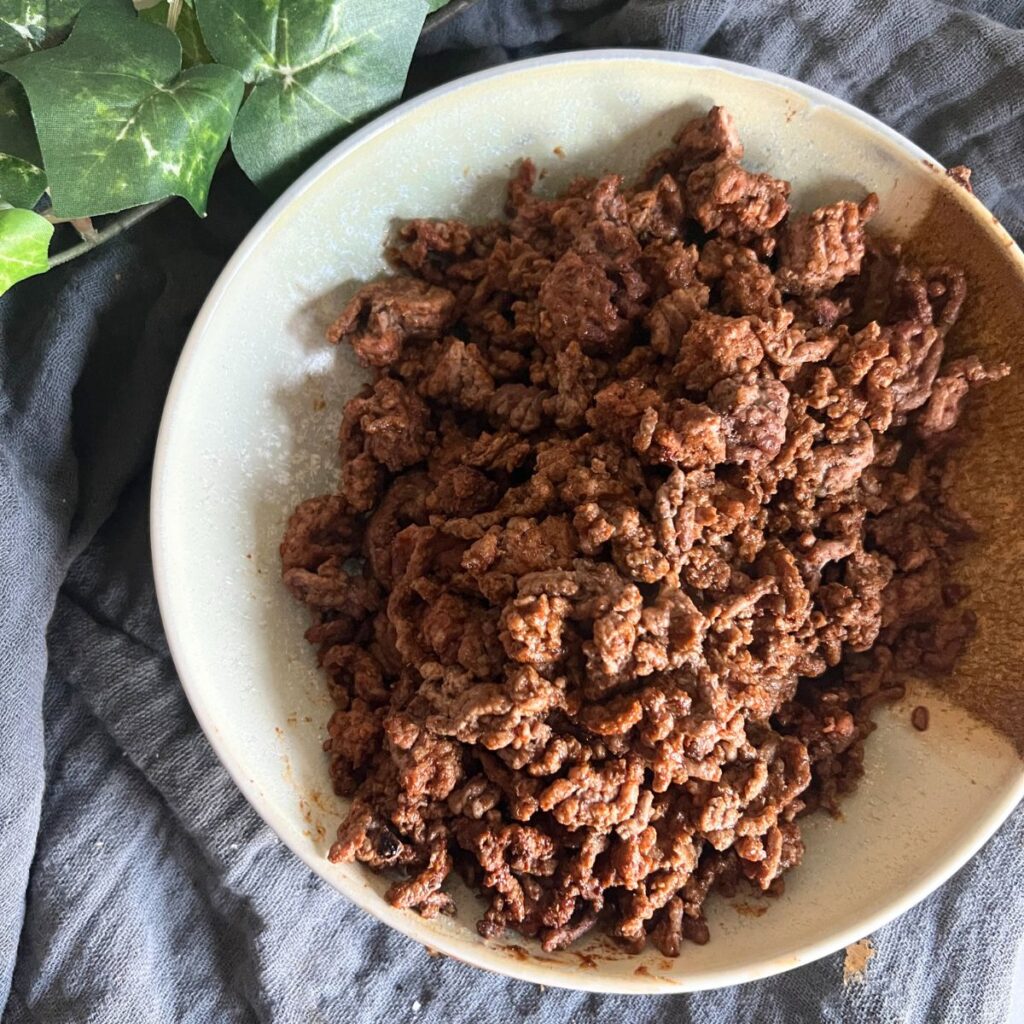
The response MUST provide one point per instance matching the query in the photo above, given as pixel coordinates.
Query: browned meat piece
(657, 212)
(354, 735)
(595, 797)
(818, 250)
(666, 266)
(575, 378)
(494, 560)
(716, 347)
(494, 715)
(382, 316)
(386, 428)
(504, 450)
(917, 353)
(423, 892)
(355, 672)
(362, 479)
(402, 505)
(596, 225)
(632, 536)
(672, 316)
(519, 407)
(749, 287)
(625, 411)
(460, 378)
(390, 424)
(942, 412)
(432, 245)
(575, 303)
(461, 491)
(699, 141)
(833, 468)
(333, 587)
(932, 296)
(532, 628)
(634, 544)
(688, 435)
(914, 598)
(475, 798)
(754, 416)
(320, 528)
(723, 197)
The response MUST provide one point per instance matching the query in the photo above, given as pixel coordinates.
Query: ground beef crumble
(646, 509)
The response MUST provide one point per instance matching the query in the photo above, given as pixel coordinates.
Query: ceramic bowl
(251, 424)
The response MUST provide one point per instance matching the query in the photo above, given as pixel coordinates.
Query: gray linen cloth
(136, 884)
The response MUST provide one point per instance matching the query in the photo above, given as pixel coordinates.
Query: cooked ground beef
(647, 508)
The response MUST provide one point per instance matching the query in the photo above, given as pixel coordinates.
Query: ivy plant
(26, 237)
(108, 104)
(312, 77)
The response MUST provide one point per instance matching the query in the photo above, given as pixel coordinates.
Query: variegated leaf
(318, 68)
(21, 166)
(24, 240)
(193, 49)
(119, 123)
(27, 25)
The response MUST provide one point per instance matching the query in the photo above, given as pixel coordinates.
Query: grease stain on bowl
(745, 908)
(524, 955)
(312, 804)
(317, 830)
(643, 971)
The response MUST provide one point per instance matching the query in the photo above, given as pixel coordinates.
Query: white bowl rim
(409, 924)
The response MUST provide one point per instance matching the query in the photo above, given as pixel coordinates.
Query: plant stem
(123, 222)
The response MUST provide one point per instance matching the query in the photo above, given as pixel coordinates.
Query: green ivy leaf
(318, 67)
(119, 123)
(193, 49)
(22, 179)
(27, 25)
(21, 183)
(24, 240)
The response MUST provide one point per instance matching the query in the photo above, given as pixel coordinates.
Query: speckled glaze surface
(250, 429)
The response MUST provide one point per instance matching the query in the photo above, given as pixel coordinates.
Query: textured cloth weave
(136, 884)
